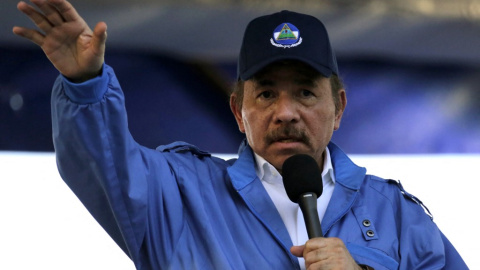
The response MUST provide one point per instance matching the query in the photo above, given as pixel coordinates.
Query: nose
(286, 110)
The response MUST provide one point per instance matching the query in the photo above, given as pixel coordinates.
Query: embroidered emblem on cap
(286, 35)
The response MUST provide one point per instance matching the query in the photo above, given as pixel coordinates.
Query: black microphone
(302, 179)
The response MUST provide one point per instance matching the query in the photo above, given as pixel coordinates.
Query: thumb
(99, 37)
(297, 250)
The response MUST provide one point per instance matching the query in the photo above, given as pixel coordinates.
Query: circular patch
(286, 34)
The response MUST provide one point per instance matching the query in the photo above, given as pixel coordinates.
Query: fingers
(297, 250)
(66, 10)
(39, 19)
(54, 13)
(328, 253)
(315, 250)
(50, 12)
(33, 35)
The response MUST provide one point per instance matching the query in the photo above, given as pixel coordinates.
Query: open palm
(72, 47)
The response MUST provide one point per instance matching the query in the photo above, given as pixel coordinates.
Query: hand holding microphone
(303, 183)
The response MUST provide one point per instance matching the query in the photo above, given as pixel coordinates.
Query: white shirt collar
(266, 172)
(289, 211)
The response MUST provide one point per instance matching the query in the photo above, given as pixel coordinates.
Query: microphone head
(301, 174)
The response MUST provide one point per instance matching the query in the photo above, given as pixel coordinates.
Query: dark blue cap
(285, 35)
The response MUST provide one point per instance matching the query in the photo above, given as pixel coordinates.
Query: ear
(237, 112)
(339, 113)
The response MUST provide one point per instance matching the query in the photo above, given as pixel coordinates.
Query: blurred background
(411, 68)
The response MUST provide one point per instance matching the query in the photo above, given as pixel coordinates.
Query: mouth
(288, 146)
(288, 140)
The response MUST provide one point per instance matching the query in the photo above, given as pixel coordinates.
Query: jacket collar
(242, 172)
(347, 173)
(349, 178)
(244, 179)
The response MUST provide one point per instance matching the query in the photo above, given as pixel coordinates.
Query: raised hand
(72, 47)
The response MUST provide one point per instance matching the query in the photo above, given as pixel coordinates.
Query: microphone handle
(308, 205)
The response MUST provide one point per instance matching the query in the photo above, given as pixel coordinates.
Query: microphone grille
(301, 174)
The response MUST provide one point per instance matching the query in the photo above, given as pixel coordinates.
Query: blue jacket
(178, 207)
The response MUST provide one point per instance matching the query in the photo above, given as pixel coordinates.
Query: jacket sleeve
(109, 172)
(453, 260)
(424, 245)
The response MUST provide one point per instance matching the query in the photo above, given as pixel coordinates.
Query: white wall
(44, 226)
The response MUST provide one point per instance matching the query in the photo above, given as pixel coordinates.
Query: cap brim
(249, 73)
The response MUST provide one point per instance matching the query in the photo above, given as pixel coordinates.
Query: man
(177, 207)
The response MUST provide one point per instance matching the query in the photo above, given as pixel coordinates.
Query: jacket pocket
(371, 257)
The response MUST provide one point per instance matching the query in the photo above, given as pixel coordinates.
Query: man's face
(288, 109)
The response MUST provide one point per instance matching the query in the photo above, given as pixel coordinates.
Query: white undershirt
(289, 211)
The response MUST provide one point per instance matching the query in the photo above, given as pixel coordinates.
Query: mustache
(287, 132)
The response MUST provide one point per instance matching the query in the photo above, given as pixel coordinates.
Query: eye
(266, 94)
(306, 93)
